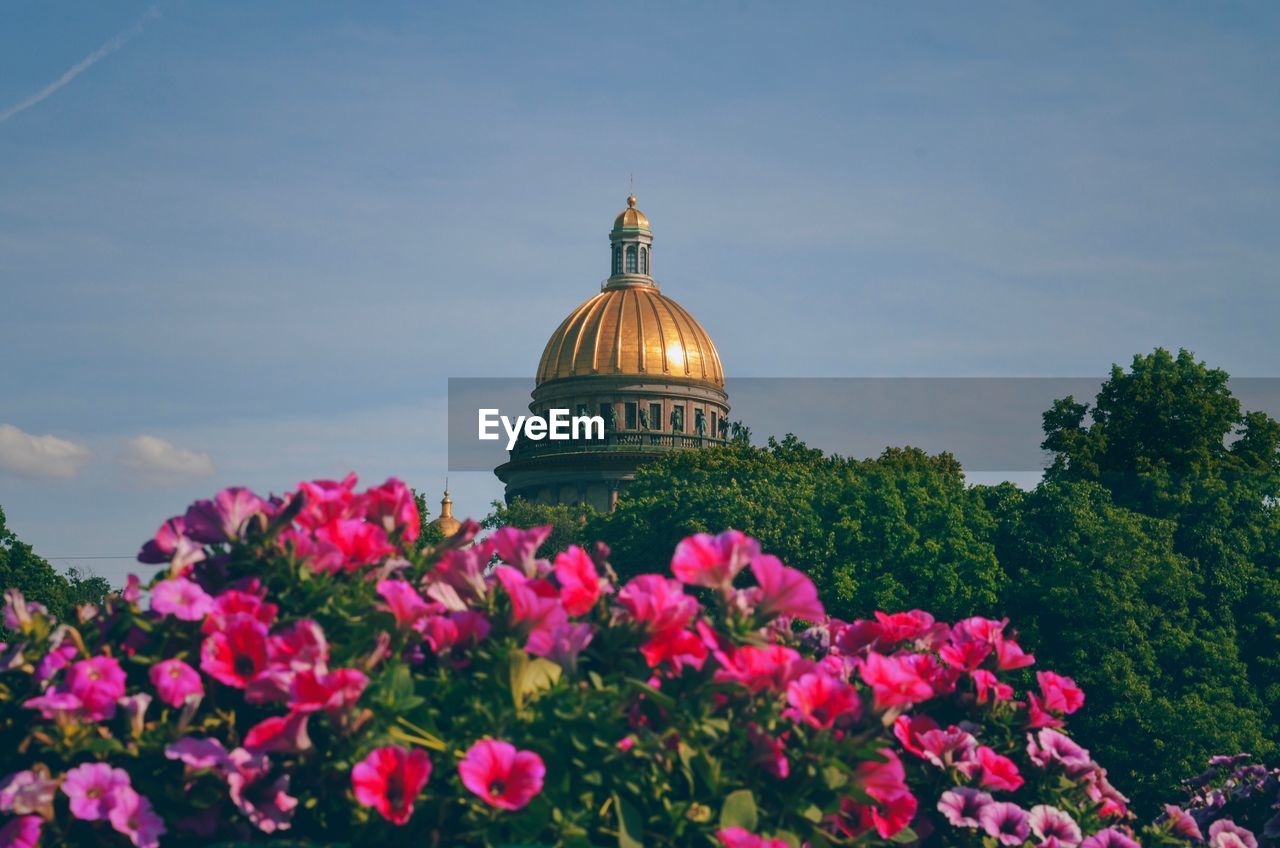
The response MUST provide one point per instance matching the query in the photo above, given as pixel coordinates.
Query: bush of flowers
(1234, 803)
(298, 670)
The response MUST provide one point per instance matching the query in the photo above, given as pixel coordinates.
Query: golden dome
(631, 329)
(631, 218)
(446, 522)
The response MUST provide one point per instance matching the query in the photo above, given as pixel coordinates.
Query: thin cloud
(80, 67)
(154, 454)
(40, 456)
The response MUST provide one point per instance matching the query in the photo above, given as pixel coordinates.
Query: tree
(39, 581)
(893, 532)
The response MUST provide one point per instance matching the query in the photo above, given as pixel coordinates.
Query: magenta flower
(54, 661)
(442, 632)
(390, 779)
(820, 701)
(500, 775)
(359, 542)
(1225, 833)
(98, 683)
(226, 517)
(198, 754)
(768, 752)
(998, 771)
(1110, 838)
(1060, 694)
(18, 611)
(519, 548)
(182, 599)
(132, 815)
(1006, 821)
(91, 788)
(1009, 655)
(966, 655)
(1051, 823)
(713, 561)
(580, 583)
(326, 500)
(963, 806)
(1049, 746)
(239, 602)
(171, 545)
(561, 644)
(175, 681)
(894, 680)
(285, 734)
(403, 602)
(1182, 824)
(758, 668)
(55, 704)
(535, 603)
(950, 747)
(237, 654)
(658, 603)
(391, 505)
(21, 832)
(785, 590)
(334, 691)
(299, 646)
(266, 804)
(885, 782)
(988, 688)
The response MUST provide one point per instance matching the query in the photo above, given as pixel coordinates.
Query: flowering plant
(298, 669)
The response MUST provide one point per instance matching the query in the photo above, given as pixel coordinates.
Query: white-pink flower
(182, 599)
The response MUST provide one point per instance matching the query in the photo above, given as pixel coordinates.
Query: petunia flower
(286, 734)
(1005, 821)
(1111, 837)
(1225, 833)
(784, 590)
(333, 692)
(1060, 694)
(91, 788)
(989, 688)
(403, 602)
(713, 561)
(132, 815)
(236, 654)
(226, 517)
(562, 644)
(1051, 823)
(175, 681)
(389, 780)
(737, 837)
(998, 771)
(21, 832)
(821, 701)
(580, 583)
(963, 806)
(893, 805)
(894, 681)
(519, 548)
(28, 792)
(98, 683)
(500, 775)
(443, 632)
(391, 505)
(1181, 823)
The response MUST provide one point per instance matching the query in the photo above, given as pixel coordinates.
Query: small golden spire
(631, 200)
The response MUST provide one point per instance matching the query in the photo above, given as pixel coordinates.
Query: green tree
(429, 535)
(38, 581)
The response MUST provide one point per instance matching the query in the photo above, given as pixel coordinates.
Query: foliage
(897, 531)
(429, 535)
(22, 569)
(567, 523)
(299, 669)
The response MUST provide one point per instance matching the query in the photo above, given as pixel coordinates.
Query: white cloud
(151, 453)
(40, 456)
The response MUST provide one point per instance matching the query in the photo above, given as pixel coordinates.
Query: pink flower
(535, 604)
(18, 611)
(894, 680)
(1061, 695)
(561, 644)
(91, 788)
(1110, 838)
(327, 500)
(966, 656)
(234, 602)
(713, 561)
(948, 748)
(758, 669)
(736, 837)
(267, 805)
(237, 654)
(768, 752)
(1225, 833)
(908, 730)
(225, 518)
(359, 542)
(285, 734)
(901, 626)
(519, 548)
(55, 704)
(820, 700)
(1005, 821)
(1051, 823)
(443, 632)
(1050, 746)
(391, 505)
(21, 832)
(403, 601)
(1181, 823)
(675, 648)
(333, 692)
(1010, 656)
(658, 603)
(54, 661)
(785, 591)
(27, 792)
(885, 782)
(390, 779)
(987, 687)
(500, 775)
(998, 772)
(1038, 716)
(580, 584)
(963, 806)
(98, 683)
(175, 681)
(198, 754)
(132, 815)
(300, 646)
(463, 570)
(171, 545)
(181, 598)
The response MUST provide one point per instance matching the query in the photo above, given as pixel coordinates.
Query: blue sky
(251, 244)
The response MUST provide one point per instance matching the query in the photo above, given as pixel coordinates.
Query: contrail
(80, 67)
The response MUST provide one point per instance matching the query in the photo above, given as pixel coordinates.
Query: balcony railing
(639, 441)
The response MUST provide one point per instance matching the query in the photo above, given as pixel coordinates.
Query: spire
(631, 247)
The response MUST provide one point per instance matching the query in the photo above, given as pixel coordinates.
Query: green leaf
(739, 810)
(630, 824)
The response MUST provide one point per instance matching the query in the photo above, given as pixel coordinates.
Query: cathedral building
(633, 356)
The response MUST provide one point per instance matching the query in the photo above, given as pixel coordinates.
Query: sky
(247, 243)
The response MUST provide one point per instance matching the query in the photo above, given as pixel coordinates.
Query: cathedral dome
(633, 330)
